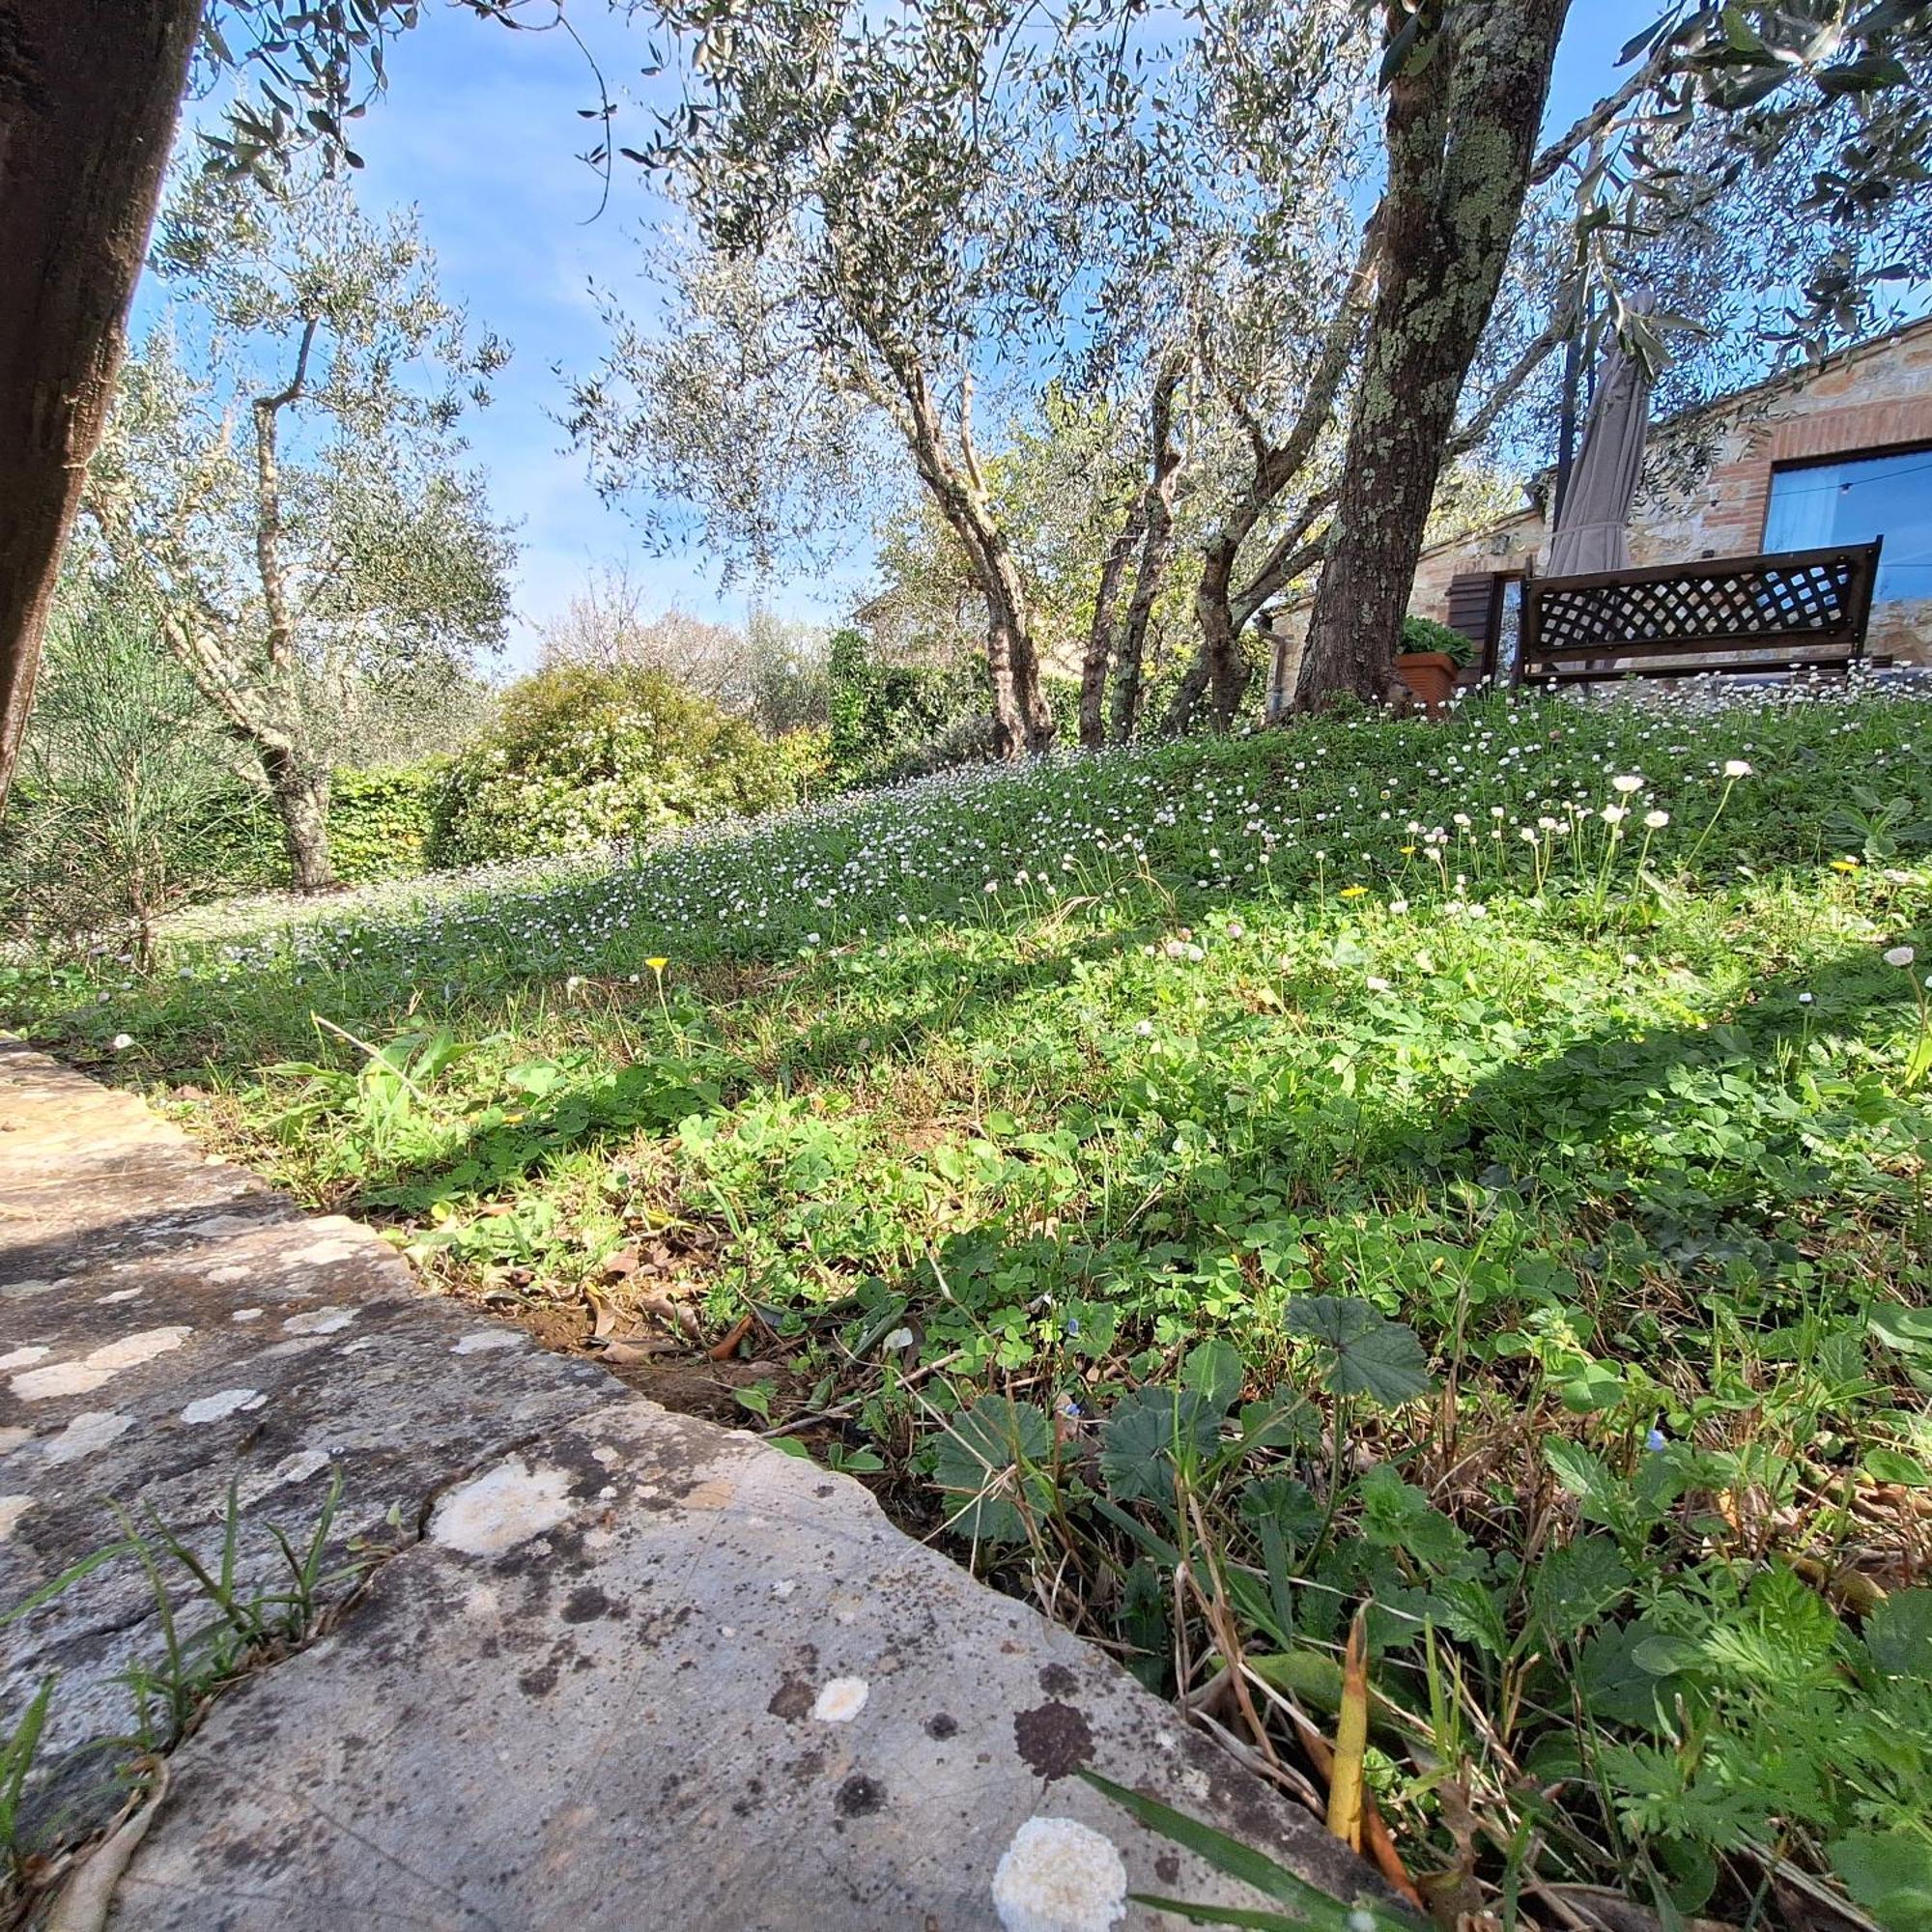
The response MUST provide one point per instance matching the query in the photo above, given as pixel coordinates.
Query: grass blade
(1308, 1904)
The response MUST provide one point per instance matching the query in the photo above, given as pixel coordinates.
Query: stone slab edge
(627, 1669)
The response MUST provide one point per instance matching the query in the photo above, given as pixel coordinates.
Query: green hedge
(378, 822)
(883, 715)
(379, 827)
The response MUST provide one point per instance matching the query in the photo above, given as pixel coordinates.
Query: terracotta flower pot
(1431, 675)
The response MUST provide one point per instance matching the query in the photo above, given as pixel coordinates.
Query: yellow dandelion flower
(1844, 865)
(1353, 892)
(656, 965)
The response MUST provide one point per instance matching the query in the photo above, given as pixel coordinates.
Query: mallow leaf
(1214, 1369)
(989, 1463)
(1572, 1587)
(1366, 1353)
(1898, 1633)
(1139, 1440)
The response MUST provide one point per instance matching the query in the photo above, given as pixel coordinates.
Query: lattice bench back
(1728, 614)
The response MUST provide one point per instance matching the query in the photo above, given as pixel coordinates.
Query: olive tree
(281, 483)
(882, 230)
(89, 94)
(1464, 86)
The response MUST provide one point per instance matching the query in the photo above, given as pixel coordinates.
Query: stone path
(624, 1669)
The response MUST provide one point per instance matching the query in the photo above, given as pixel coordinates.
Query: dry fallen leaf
(1352, 1738)
(629, 1354)
(682, 1319)
(726, 1346)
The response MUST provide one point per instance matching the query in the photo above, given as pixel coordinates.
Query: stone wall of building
(1707, 487)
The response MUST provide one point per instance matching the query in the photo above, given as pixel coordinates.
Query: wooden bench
(1804, 610)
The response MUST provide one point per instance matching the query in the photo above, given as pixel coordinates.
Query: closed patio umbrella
(1593, 519)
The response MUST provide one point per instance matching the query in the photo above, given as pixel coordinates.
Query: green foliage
(1890, 1873)
(281, 485)
(379, 827)
(580, 756)
(989, 1467)
(379, 822)
(123, 807)
(1361, 1354)
(890, 721)
(1425, 633)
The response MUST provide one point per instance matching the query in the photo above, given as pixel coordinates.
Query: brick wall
(1707, 488)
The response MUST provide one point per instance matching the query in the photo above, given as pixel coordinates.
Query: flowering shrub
(580, 757)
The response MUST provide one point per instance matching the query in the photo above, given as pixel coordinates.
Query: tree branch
(1667, 55)
(280, 638)
(1290, 556)
(1555, 332)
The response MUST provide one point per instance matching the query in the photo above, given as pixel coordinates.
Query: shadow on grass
(662, 1088)
(1684, 1149)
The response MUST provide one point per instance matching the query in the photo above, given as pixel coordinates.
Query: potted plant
(1431, 656)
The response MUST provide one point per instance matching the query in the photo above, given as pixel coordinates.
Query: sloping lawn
(1475, 1170)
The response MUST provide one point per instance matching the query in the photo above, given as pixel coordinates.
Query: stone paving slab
(168, 1323)
(628, 1670)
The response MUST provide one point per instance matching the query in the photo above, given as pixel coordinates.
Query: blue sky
(480, 132)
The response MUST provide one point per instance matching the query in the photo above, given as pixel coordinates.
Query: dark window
(1853, 501)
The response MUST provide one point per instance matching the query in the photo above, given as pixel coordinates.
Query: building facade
(1838, 452)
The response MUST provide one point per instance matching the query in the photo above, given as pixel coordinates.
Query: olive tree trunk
(1462, 120)
(1222, 610)
(1156, 547)
(89, 90)
(1023, 722)
(301, 793)
(1100, 634)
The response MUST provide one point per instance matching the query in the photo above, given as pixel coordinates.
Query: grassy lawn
(1215, 1187)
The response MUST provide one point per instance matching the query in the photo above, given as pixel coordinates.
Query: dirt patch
(562, 1328)
(695, 1386)
(679, 1378)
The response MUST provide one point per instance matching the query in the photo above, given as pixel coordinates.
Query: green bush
(123, 804)
(887, 720)
(581, 755)
(1163, 681)
(378, 822)
(379, 827)
(1425, 633)
(803, 758)
(896, 722)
